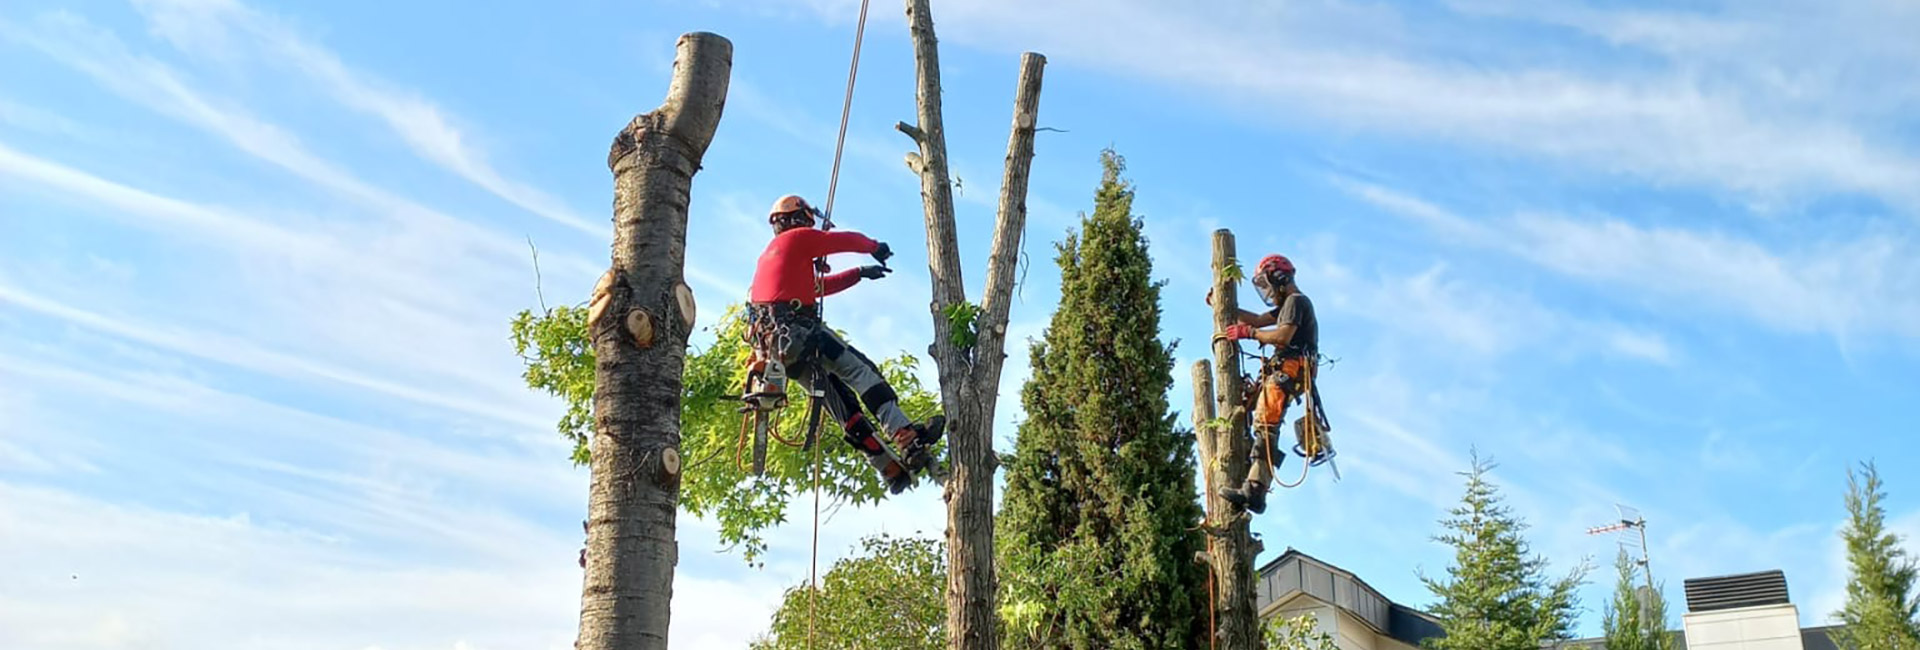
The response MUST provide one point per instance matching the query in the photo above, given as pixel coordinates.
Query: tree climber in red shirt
(784, 318)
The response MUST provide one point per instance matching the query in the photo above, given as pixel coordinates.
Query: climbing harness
(1289, 379)
(1311, 441)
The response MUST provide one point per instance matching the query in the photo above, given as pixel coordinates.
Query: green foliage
(1231, 271)
(961, 317)
(1880, 610)
(1637, 618)
(1296, 633)
(559, 359)
(1496, 596)
(1092, 537)
(717, 482)
(892, 595)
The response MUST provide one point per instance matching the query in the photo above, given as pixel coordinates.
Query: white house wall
(1773, 627)
(1355, 635)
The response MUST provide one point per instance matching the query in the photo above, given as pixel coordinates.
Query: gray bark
(1010, 225)
(969, 377)
(640, 354)
(1224, 450)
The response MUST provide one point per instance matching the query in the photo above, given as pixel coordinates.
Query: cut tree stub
(640, 325)
(684, 295)
(669, 465)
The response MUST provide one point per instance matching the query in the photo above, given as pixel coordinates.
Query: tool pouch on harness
(1282, 380)
(778, 334)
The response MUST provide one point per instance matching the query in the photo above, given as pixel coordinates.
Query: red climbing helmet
(1274, 272)
(1276, 264)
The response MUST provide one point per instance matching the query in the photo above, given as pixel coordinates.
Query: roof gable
(1295, 573)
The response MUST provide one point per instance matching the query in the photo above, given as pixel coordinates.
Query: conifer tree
(1496, 596)
(1094, 545)
(1637, 618)
(1880, 610)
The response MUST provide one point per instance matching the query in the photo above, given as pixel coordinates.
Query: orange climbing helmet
(789, 212)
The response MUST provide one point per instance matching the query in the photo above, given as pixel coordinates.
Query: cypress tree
(1496, 596)
(1093, 535)
(1880, 610)
(1634, 621)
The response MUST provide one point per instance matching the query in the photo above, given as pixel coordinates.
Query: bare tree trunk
(969, 375)
(1208, 437)
(639, 342)
(1012, 223)
(1224, 449)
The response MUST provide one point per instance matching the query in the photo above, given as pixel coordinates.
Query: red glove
(1238, 331)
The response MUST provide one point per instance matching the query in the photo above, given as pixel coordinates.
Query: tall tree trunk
(969, 374)
(1008, 228)
(639, 343)
(1224, 449)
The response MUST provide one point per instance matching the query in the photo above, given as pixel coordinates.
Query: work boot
(897, 477)
(915, 442)
(1251, 498)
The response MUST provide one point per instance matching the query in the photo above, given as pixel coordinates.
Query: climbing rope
(1309, 420)
(846, 109)
(819, 288)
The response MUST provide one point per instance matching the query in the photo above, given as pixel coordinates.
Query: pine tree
(1636, 619)
(1093, 539)
(1496, 596)
(1880, 609)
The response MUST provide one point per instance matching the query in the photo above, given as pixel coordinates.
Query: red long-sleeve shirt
(785, 271)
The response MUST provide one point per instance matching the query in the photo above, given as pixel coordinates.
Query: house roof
(1811, 638)
(1298, 574)
(1295, 572)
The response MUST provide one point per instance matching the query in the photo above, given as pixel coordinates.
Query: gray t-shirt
(1297, 311)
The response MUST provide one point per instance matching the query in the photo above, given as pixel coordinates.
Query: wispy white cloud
(244, 354)
(1809, 55)
(40, 120)
(1478, 319)
(113, 576)
(1658, 126)
(1820, 285)
(100, 55)
(1643, 345)
(408, 308)
(234, 29)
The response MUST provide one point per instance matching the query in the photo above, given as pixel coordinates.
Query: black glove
(874, 271)
(882, 252)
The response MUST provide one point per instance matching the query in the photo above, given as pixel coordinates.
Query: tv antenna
(1630, 520)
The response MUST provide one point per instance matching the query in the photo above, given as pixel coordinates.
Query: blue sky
(257, 261)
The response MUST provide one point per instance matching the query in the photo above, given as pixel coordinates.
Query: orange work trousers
(1276, 392)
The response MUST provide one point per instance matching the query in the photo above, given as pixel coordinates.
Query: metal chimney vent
(1743, 590)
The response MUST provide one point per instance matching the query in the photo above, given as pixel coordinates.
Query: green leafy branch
(1232, 272)
(1297, 633)
(559, 360)
(557, 354)
(961, 317)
